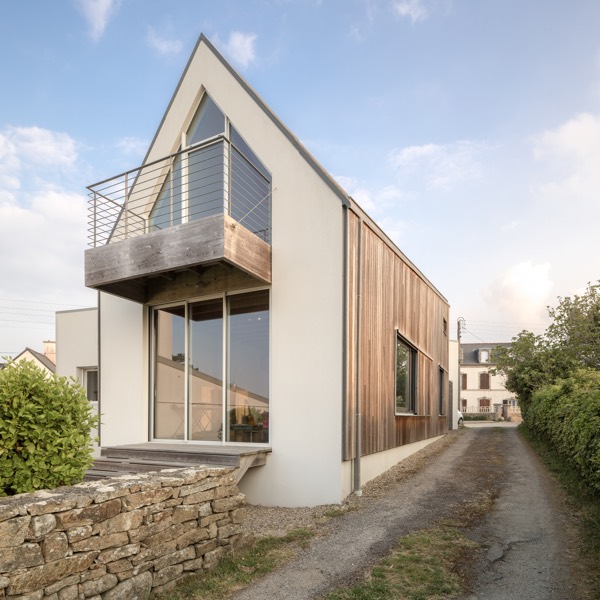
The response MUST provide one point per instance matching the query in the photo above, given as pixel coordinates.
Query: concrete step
(182, 459)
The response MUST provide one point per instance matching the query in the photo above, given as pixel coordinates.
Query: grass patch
(584, 502)
(236, 572)
(421, 568)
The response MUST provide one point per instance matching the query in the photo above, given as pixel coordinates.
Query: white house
(480, 390)
(246, 301)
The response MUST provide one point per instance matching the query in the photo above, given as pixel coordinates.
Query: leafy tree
(45, 430)
(575, 328)
(529, 363)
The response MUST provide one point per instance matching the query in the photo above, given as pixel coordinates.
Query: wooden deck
(155, 456)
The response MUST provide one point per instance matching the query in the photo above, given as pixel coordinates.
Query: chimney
(50, 350)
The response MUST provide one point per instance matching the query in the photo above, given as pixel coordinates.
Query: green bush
(567, 416)
(45, 430)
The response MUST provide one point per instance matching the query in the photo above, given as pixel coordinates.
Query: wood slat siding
(123, 267)
(393, 296)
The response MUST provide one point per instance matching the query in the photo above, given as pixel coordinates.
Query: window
(445, 326)
(211, 369)
(406, 377)
(89, 380)
(441, 395)
(463, 381)
(484, 381)
(484, 356)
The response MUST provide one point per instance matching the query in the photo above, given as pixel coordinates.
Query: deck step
(182, 459)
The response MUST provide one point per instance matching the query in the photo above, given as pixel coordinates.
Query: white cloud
(164, 46)
(97, 13)
(570, 156)
(43, 147)
(521, 293)
(440, 167)
(370, 200)
(240, 47)
(133, 146)
(411, 9)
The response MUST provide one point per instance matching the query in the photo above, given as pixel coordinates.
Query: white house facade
(242, 304)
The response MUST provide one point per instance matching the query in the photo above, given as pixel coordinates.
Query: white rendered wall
(497, 391)
(77, 347)
(306, 310)
(123, 373)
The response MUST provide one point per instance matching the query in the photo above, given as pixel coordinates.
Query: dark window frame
(412, 373)
(484, 381)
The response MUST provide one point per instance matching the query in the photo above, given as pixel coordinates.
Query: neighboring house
(247, 300)
(480, 391)
(44, 361)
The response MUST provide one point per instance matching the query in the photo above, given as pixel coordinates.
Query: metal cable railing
(212, 177)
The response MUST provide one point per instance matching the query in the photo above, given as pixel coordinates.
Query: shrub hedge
(567, 415)
(45, 430)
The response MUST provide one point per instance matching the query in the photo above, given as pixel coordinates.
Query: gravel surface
(435, 484)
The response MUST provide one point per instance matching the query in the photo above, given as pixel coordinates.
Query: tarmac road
(527, 540)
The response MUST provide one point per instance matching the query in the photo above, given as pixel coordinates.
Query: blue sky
(469, 130)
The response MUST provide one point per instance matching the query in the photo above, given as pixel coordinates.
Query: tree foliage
(571, 342)
(45, 430)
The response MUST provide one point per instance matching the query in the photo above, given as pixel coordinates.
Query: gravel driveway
(528, 543)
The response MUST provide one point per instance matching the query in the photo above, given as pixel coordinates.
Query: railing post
(126, 207)
(95, 218)
(172, 161)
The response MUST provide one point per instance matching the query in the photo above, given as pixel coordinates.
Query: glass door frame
(225, 368)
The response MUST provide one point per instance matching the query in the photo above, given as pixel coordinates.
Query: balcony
(196, 218)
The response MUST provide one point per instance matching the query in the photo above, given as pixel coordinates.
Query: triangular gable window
(212, 175)
(207, 122)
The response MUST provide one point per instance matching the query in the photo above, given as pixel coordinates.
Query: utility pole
(460, 325)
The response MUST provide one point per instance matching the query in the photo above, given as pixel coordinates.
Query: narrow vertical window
(484, 381)
(406, 377)
(463, 381)
(441, 392)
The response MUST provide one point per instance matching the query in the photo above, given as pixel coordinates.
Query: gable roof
(42, 358)
(470, 352)
(346, 200)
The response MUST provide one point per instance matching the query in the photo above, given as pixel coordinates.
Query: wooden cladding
(393, 296)
(125, 267)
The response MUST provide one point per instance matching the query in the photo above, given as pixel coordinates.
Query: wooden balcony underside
(129, 268)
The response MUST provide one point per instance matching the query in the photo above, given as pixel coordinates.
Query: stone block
(140, 499)
(41, 526)
(70, 592)
(90, 515)
(206, 484)
(184, 513)
(165, 536)
(8, 511)
(114, 540)
(59, 585)
(14, 531)
(193, 565)
(134, 588)
(147, 531)
(122, 522)
(192, 536)
(40, 577)
(21, 557)
(55, 546)
(200, 497)
(227, 531)
(95, 572)
(99, 586)
(238, 515)
(167, 574)
(202, 549)
(79, 533)
(211, 559)
(108, 556)
(120, 566)
(226, 491)
(174, 558)
(226, 504)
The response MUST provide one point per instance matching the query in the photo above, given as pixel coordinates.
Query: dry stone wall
(119, 538)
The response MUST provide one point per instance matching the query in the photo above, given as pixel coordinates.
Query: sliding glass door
(199, 345)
